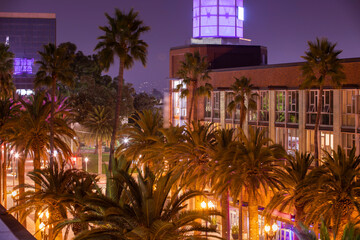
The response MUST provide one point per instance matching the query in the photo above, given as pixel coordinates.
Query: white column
(272, 107)
(302, 120)
(337, 118)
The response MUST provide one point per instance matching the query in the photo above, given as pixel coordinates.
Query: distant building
(26, 33)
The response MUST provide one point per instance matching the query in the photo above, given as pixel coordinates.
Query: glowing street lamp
(126, 140)
(271, 231)
(86, 161)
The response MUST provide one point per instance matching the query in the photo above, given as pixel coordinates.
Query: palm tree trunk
(299, 216)
(37, 166)
(317, 124)
(225, 216)
(117, 113)
(1, 174)
(5, 176)
(195, 109)
(99, 155)
(253, 218)
(242, 114)
(240, 217)
(53, 90)
(191, 105)
(21, 169)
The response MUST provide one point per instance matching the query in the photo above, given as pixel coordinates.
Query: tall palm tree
(193, 71)
(98, 122)
(9, 112)
(333, 190)
(322, 66)
(242, 92)
(144, 209)
(55, 66)
(249, 168)
(29, 134)
(6, 70)
(292, 177)
(223, 146)
(122, 39)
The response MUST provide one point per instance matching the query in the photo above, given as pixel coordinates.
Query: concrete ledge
(11, 229)
(27, 15)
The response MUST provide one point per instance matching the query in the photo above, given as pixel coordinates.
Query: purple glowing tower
(218, 19)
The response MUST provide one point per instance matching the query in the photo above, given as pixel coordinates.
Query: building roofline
(27, 15)
(278, 65)
(214, 45)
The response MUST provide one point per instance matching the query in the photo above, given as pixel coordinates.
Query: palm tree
(333, 189)
(194, 70)
(192, 154)
(144, 209)
(292, 177)
(249, 167)
(57, 184)
(121, 39)
(144, 135)
(223, 146)
(55, 66)
(29, 134)
(9, 111)
(6, 70)
(322, 66)
(242, 92)
(98, 122)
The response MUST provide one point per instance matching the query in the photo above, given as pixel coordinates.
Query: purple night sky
(283, 26)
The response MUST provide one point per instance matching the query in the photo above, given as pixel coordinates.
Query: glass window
(264, 106)
(348, 142)
(293, 107)
(229, 98)
(327, 109)
(207, 107)
(280, 106)
(216, 111)
(348, 108)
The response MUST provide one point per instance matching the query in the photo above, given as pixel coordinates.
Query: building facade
(26, 33)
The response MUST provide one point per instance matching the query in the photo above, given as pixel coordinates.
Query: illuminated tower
(218, 19)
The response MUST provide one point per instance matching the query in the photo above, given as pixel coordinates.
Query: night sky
(283, 26)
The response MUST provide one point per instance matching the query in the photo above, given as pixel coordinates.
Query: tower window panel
(208, 31)
(226, 2)
(227, 11)
(240, 33)
(226, 31)
(196, 22)
(209, 21)
(241, 13)
(224, 21)
(208, 2)
(196, 12)
(196, 32)
(206, 11)
(196, 3)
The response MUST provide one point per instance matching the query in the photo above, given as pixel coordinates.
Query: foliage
(6, 70)
(143, 209)
(242, 92)
(121, 39)
(193, 71)
(332, 190)
(143, 101)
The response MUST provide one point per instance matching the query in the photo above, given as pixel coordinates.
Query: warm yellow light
(42, 226)
(16, 155)
(47, 214)
(203, 204)
(267, 228)
(41, 214)
(275, 227)
(211, 205)
(14, 193)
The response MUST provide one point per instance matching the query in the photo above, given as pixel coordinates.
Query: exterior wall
(271, 79)
(26, 33)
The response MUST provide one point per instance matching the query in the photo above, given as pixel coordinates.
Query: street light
(86, 161)
(271, 231)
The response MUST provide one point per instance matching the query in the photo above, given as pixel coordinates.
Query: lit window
(241, 15)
